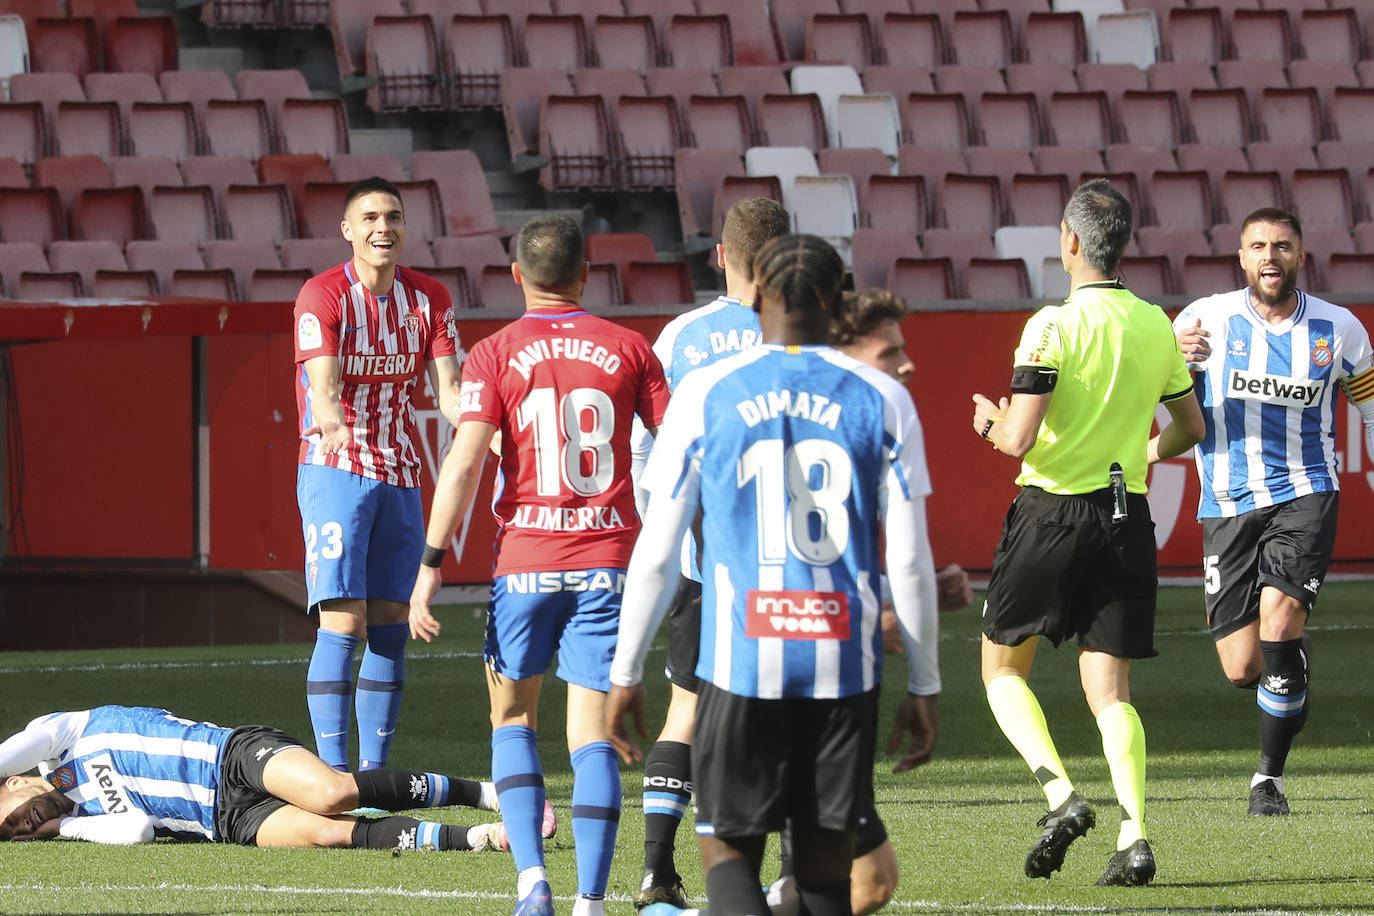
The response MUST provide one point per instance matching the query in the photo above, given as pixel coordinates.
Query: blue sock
(520, 786)
(380, 682)
(595, 814)
(329, 694)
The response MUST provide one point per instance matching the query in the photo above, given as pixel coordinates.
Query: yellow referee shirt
(1116, 358)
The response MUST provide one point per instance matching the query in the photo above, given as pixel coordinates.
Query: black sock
(733, 890)
(785, 853)
(392, 789)
(1282, 698)
(667, 793)
(401, 832)
(824, 898)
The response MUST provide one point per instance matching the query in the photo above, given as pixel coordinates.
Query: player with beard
(1269, 360)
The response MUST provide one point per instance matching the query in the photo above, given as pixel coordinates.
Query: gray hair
(1101, 218)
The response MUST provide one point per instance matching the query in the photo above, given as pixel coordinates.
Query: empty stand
(696, 174)
(1031, 245)
(666, 283)
(200, 283)
(1181, 76)
(1329, 35)
(60, 45)
(856, 162)
(996, 279)
(648, 137)
(84, 258)
(1172, 242)
(555, 41)
(870, 121)
(523, 90)
(1036, 200)
(1262, 35)
(826, 206)
(424, 210)
(602, 288)
(237, 129)
(1352, 113)
(123, 284)
(1215, 160)
(679, 84)
(1219, 117)
(626, 41)
(357, 166)
(1054, 38)
(88, 128)
(218, 172)
(840, 39)
(1206, 274)
(574, 138)
(699, 41)
(1181, 200)
(899, 81)
(402, 56)
(1079, 119)
(783, 162)
(241, 258)
(294, 171)
(262, 212)
(936, 119)
(981, 38)
(1290, 116)
(23, 134)
(1129, 37)
(1282, 157)
(1069, 160)
(115, 214)
(17, 257)
(790, 18)
(915, 40)
(70, 175)
(1322, 198)
(313, 126)
(146, 44)
(162, 258)
(620, 249)
(1150, 119)
(45, 285)
(462, 187)
(1194, 34)
(318, 255)
(752, 34)
(733, 188)
(348, 22)
(921, 280)
(1350, 273)
(875, 250)
(1009, 119)
(276, 285)
(792, 120)
(180, 213)
(1149, 277)
(612, 84)
(477, 50)
(719, 122)
(969, 203)
(894, 203)
(12, 174)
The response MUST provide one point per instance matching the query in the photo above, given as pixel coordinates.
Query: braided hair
(802, 271)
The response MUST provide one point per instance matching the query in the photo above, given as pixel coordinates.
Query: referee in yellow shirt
(1077, 554)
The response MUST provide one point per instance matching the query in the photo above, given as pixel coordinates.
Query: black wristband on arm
(433, 556)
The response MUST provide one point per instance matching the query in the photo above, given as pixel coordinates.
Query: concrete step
(227, 59)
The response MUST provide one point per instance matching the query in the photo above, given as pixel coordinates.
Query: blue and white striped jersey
(118, 759)
(797, 456)
(1268, 394)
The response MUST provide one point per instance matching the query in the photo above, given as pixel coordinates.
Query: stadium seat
(574, 138)
(477, 50)
(17, 257)
(318, 126)
(857, 162)
(898, 81)
(472, 254)
(1031, 245)
(1363, 234)
(241, 258)
(103, 12)
(293, 172)
(1181, 200)
(276, 285)
(237, 129)
(36, 285)
(1036, 200)
(1172, 242)
(1215, 160)
(826, 206)
(145, 44)
(611, 84)
(1129, 37)
(1321, 75)
(1078, 119)
(996, 279)
(936, 119)
(424, 210)
(838, 38)
(1113, 79)
(352, 167)
(648, 136)
(1149, 277)
(23, 134)
(272, 87)
(1181, 76)
(70, 175)
(1352, 155)
(699, 41)
(440, 11)
(1143, 160)
(1290, 116)
(1252, 76)
(1350, 273)
(1058, 39)
(1147, 118)
(229, 14)
(497, 290)
(1322, 198)
(1000, 162)
(462, 186)
(1008, 119)
(867, 121)
(48, 90)
(201, 283)
(629, 42)
(1242, 193)
(792, 120)
(1329, 35)
(969, 203)
(666, 283)
(348, 22)
(696, 173)
(319, 255)
(602, 289)
(1262, 35)
(218, 172)
(85, 258)
(619, 249)
(319, 208)
(523, 90)
(261, 212)
(1351, 113)
(1069, 160)
(875, 10)
(981, 38)
(932, 163)
(122, 284)
(88, 128)
(1041, 80)
(30, 11)
(1225, 238)
(784, 162)
(1282, 157)
(404, 61)
(874, 252)
(127, 88)
(62, 45)
(680, 85)
(921, 281)
(755, 41)
(198, 87)
(1219, 117)
(179, 213)
(1321, 242)
(116, 214)
(1194, 34)
(1206, 274)
(555, 41)
(719, 122)
(753, 83)
(733, 188)
(894, 203)
(12, 174)
(912, 40)
(790, 18)
(971, 81)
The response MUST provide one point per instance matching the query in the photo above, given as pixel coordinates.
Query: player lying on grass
(128, 774)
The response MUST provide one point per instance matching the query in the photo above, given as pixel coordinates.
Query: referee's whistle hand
(984, 410)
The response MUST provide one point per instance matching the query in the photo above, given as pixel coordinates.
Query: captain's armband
(1033, 379)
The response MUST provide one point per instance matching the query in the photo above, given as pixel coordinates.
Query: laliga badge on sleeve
(308, 333)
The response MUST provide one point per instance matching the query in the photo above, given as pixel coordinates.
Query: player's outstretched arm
(325, 406)
(458, 478)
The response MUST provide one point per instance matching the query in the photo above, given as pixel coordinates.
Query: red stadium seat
(921, 280)
(696, 173)
(190, 283)
(874, 252)
(1322, 198)
(1149, 118)
(357, 166)
(161, 258)
(1215, 160)
(403, 58)
(858, 162)
(1241, 193)
(753, 83)
(630, 42)
(936, 119)
(1172, 242)
(12, 174)
(241, 258)
(653, 283)
(1330, 35)
(1009, 119)
(1182, 76)
(23, 134)
(1149, 277)
(755, 40)
(1351, 113)
(1219, 117)
(319, 255)
(969, 202)
(1041, 80)
(218, 172)
(237, 129)
(1054, 38)
(1290, 116)
(348, 21)
(261, 212)
(981, 38)
(1037, 200)
(294, 172)
(123, 284)
(229, 14)
(462, 186)
(649, 135)
(88, 128)
(840, 39)
(45, 285)
(1350, 273)
(1181, 200)
(996, 278)
(1262, 35)
(179, 213)
(574, 138)
(917, 40)
(790, 18)
(17, 257)
(680, 84)
(699, 41)
(602, 289)
(70, 175)
(319, 208)
(318, 126)
(424, 209)
(792, 120)
(117, 214)
(1193, 35)
(276, 285)
(894, 203)
(1206, 274)
(61, 45)
(145, 44)
(85, 258)
(523, 90)
(620, 248)
(1079, 119)
(555, 41)
(477, 50)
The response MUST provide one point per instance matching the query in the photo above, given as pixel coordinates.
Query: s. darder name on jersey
(731, 341)
(805, 404)
(573, 580)
(536, 351)
(581, 518)
(1273, 389)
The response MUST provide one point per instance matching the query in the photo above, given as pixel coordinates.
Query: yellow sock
(1123, 744)
(1019, 716)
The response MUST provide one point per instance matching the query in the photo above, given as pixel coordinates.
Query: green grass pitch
(961, 825)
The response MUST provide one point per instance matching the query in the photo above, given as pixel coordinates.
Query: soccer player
(689, 342)
(1267, 466)
(795, 455)
(128, 774)
(561, 387)
(364, 330)
(1077, 554)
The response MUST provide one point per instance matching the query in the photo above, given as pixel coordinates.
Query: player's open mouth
(384, 246)
(1270, 273)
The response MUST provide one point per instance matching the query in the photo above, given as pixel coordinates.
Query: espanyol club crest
(62, 778)
(1321, 352)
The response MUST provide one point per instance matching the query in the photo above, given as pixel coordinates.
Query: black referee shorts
(1063, 569)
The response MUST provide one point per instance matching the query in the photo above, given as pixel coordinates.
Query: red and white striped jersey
(383, 343)
(563, 387)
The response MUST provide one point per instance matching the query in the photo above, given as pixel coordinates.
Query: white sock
(489, 796)
(528, 879)
(588, 906)
(1260, 777)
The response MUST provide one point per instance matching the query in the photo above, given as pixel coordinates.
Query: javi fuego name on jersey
(535, 352)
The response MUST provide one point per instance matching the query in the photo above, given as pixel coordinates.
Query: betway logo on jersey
(361, 367)
(553, 518)
(794, 614)
(1273, 389)
(110, 789)
(573, 580)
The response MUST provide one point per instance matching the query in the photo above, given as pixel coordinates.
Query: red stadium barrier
(167, 432)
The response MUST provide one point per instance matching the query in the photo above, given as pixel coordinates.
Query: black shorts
(684, 634)
(870, 833)
(1064, 569)
(243, 802)
(758, 763)
(1287, 546)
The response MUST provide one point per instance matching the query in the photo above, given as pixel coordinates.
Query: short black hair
(804, 271)
(550, 251)
(373, 185)
(1273, 215)
(859, 314)
(1101, 218)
